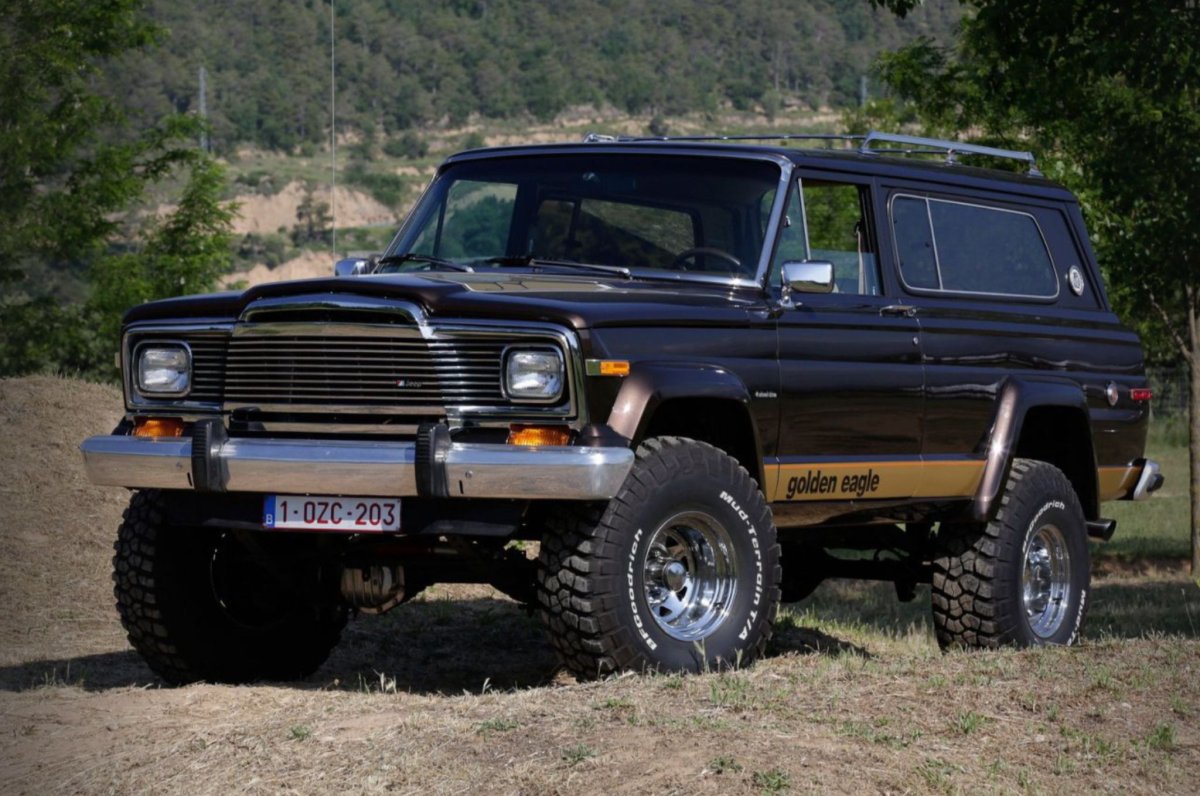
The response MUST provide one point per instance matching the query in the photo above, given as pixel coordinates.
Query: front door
(850, 361)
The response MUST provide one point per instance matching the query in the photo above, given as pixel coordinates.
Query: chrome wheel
(1046, 580)
(689, 575)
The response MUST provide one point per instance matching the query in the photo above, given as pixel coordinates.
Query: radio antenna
(332, 138)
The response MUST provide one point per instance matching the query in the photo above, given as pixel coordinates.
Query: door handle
(899, 311)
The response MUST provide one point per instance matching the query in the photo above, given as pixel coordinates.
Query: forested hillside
(408, 63)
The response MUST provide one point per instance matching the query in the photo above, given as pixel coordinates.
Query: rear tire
(678, 572)
(221, 606)
(1021, 579)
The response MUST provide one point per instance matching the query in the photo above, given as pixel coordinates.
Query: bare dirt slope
(265, 214)
(308, 265)
(458, 692)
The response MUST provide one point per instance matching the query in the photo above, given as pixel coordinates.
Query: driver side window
(828, 221)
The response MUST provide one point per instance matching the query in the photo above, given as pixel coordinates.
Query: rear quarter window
(961, 247)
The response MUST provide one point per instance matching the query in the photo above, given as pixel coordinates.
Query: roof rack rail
(937, 146)
(909, 144)
(600, 138)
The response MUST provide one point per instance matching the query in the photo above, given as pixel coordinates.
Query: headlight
(164, 369)
(533, 375)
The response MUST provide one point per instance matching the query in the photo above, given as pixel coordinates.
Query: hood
(576, 301)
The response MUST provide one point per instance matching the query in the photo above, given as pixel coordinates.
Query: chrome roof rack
(600, 138)
(906, 144)
(915, 145)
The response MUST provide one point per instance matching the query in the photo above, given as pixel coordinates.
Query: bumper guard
(367, 468)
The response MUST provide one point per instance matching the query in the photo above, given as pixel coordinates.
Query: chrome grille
(410, 373)
(208, 366)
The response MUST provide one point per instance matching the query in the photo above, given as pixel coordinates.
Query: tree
(70, 167)
(65, 172)
(1110, 90)
(313, 220)
(184, 253)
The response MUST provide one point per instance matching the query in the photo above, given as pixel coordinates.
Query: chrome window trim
(925, 291)
(771, 235)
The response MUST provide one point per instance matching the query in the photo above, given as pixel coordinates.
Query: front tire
(1021, 579)
(679, 572)
(221, 606)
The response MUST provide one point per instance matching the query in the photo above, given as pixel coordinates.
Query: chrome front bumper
(344, 467)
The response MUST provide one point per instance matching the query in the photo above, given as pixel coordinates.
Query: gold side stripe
(1115, 482)
(873, 480)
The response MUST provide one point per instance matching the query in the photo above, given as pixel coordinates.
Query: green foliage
(314, 223)
(404, 64)
(388, 189)
(408, 144)
(272, 249)
(183, 253)
(42, 335)
(70, 167)
(1109, 93)
(64, 171)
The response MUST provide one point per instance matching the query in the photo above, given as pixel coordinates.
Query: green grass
(1158, 527)
(574, 755)
(496, 725)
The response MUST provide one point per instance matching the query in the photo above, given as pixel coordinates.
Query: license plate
(318, 513)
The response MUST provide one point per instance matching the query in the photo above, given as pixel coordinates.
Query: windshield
(650, 214)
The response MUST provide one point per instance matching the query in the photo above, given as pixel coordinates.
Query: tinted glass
(599, 231)
(475, 223)
(837, 233)
(986, 250)
(914, 242)
(635, 211)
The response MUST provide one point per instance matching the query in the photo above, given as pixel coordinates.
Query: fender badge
(1075, 280)
(1112, 393)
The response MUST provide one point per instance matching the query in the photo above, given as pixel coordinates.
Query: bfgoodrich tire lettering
(1023, 577)
(678, 572)
(209, 605)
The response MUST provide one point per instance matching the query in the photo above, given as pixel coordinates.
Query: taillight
(1141, 394)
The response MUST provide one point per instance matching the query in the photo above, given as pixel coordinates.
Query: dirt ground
(266, 214)
(310, 264)
(459, 692)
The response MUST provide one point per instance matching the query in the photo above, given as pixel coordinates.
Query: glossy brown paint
(831, 378)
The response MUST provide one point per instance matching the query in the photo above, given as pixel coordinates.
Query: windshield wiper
(427, 259)
(531, 261)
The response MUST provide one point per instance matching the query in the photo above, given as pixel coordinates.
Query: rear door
(993, 304)
(850, 365)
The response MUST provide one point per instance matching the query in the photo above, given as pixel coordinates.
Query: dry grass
(458, 691)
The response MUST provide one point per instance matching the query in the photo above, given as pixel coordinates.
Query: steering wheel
(703, 251)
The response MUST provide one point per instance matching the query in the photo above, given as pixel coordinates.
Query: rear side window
(965, 248)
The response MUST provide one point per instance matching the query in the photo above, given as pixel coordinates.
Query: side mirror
(351, 266)
(808, 276)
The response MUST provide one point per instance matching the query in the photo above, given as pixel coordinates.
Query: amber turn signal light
(607, 367)
(158, 427)
(538, 435)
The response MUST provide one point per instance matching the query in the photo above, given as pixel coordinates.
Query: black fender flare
(1018, 396)
(651, 384)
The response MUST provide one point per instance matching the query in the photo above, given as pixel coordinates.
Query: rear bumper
(345, 467)
(1149, 480)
